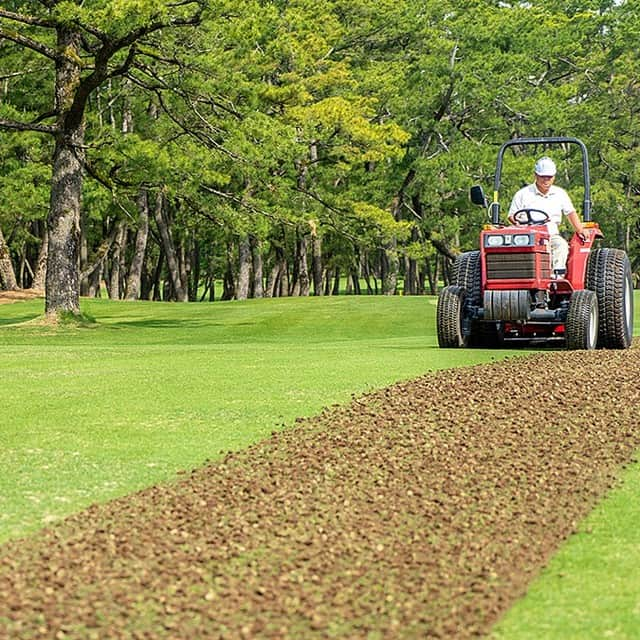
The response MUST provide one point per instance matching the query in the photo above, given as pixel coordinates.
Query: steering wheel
(530, 217)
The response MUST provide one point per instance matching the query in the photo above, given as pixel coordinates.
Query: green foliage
(386, 225)
(25, 176)
(346, 127)
(271, 113)
(113, 17)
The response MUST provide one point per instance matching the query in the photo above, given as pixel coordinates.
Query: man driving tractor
(505, 292)
(543, 195)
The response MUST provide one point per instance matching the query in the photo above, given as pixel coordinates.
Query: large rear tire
(467, 274)
(581, 327)
(609, 275)
(450, 316)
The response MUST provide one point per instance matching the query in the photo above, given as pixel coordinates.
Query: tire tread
(608, 271)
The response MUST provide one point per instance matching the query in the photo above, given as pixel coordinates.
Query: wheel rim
(628, 305)
(592, 337)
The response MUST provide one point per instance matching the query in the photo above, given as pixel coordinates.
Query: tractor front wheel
(582, 320)
(450, 316)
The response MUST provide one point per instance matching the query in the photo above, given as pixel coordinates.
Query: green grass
(92, 413)
(96, 412)
(591, 588)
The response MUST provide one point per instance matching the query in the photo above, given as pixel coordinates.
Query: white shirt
(554, 203)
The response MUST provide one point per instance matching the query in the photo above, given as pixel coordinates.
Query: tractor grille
(514, 266)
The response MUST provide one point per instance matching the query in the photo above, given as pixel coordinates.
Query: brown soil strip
(418, 511)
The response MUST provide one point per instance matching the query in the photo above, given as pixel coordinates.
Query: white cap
(545, 167)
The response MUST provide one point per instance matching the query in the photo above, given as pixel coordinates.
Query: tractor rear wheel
(450, 316)
(609, 275)
(581, 327)
(466, 273)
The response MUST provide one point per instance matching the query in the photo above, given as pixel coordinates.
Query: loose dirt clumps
(417, 511)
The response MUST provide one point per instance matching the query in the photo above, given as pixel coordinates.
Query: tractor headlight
(494, 241)
(522, 240)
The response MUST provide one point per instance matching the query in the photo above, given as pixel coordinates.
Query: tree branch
(208, 140)
(110, 47)
(126, 65)
(32, 44)
(28, 126)
(26, 19)
(101, 253)
(244, 204)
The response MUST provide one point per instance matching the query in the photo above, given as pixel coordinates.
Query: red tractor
(506, 292)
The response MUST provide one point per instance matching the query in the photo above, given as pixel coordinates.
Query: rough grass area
(91, 413)
(421, 510)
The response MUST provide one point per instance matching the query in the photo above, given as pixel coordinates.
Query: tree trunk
(127, 113)
(179, 290)
(429, 275)
(146, 281)
(278, 280)
(391, 268)
(62, 291)
(326, 286)
(7, 273)
(391, 261)
(93, 272)
(228, 282)
(272, 281)
(301, 281)
(156, 291)
(142, 234)
(355, 279)
(256, 259)
(244, 270)
(62, 281)
(283, 276)
(442, 262)
(316, 261)
(367, 275)
(336, 282)
(24, 270)
(41, 268)
(84, 256)
(411, 277)
(195, 271)
(93, 281)
(184, 264)
(116, 264)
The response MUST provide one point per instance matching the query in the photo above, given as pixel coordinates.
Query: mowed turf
(93, 413)
(579, 611)
(417, 511)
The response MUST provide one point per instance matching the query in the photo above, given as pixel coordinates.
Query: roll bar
(586, 206)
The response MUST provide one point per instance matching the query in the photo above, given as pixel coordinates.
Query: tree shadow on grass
(18, 320)
(176, 323)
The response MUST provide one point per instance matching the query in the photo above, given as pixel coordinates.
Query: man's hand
(583, 235)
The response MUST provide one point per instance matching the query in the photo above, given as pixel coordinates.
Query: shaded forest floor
(421, 510)
(20, 294)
